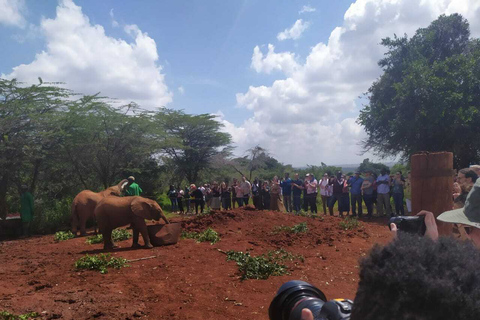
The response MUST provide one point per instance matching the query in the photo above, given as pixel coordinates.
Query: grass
(117, 235)
(298, 228)
(209, 235)
(63, 235)
(310, 215)
(5, 315)
(263, 266)
(100, 262)
(350, 223)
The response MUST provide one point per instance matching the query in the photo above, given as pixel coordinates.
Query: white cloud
(309, 116)
(181, 89)
(11, 13)
(307, 9)
(112, 17)
(88, 61)
(284, 61)
(295, 31)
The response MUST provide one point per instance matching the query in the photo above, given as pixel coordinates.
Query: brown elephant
(85, 202)
(114, 212)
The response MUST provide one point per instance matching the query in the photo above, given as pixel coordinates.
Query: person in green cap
(132, 188)
(26, 210)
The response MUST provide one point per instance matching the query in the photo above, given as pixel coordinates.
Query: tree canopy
(428, 98)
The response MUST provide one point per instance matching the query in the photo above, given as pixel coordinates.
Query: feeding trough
(164, 234)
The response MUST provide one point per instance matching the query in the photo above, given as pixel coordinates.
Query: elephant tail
(74, 218)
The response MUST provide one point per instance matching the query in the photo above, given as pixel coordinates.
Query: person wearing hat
(26, 210)
(132, 188)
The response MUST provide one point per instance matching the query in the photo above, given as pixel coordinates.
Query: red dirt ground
(188, 280)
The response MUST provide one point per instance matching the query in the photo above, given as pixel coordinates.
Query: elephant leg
(74, 223)
(135, 236)
(146, 238)
(83, 223)
(107, 240)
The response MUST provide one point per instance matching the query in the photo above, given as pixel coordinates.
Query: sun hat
(131, 178)
(469, 214)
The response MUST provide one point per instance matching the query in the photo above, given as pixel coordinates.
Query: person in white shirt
(324, 192)
(246, 190)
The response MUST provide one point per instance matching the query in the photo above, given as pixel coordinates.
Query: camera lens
(292, 297)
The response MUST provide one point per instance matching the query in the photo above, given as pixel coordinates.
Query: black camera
(294, 296)
(410, 224)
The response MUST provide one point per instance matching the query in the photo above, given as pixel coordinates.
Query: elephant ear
(141, 208)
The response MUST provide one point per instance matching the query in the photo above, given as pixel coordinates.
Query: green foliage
(63, 235)
(372, 166)
(430, 81)
(350, 223)
(263, 266)
(100, 262)
(52, 216)
(298, 228)
(117, 235)
(307, 214)
(403, 168)
(5, 315)
(209, 235)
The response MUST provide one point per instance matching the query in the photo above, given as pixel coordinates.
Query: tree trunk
(432, 185)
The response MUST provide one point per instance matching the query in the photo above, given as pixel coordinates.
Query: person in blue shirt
(297, 187)
(286, 185)
(355, 184)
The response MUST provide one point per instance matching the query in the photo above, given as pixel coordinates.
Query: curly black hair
(417, 278)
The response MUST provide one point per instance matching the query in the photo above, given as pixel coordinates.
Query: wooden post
(432, 185)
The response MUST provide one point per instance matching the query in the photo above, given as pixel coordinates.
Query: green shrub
(310, 215)
(263, 266)
(117, 235)
(100, 262)
(350, 223)
(298, 228)
(63, 235)
(52, 216)
(5, 315)
(209, 235)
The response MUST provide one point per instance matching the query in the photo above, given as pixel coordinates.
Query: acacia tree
(428, 98)
(190, 141)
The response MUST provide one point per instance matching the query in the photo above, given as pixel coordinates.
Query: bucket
(164, 234)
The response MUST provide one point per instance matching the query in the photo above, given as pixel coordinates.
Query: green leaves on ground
(209, 235)
(263, 266)
(298, 228)
(117, 235)
(350, 223)
(63, 235)
(5, 315)
(100, 262)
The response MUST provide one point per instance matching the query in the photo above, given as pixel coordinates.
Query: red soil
(188, 280)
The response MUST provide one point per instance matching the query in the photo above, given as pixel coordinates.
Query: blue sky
(295, 93)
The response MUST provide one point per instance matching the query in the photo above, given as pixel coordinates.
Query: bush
(63, 235)
(350, 223)
(117, 235)
(298, 228)
(100, 262)
(51, 217)
(209, 235)
(263, 266)
(5, 315)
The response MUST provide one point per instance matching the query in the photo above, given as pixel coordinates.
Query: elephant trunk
(121, 184)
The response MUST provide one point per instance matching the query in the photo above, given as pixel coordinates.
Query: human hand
(393, 230)
(306, 314)
(430, 223)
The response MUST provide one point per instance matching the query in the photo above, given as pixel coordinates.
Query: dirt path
(188, 280)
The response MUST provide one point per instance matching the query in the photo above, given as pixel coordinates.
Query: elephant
(114, 212)
(85, 202)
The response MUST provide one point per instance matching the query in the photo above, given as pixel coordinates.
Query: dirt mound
(188, 280)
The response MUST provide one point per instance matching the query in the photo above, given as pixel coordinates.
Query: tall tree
(190, 141)
(428, 98)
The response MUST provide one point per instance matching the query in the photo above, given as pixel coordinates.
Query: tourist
(265, 195)
(256, 195)
(234, 192)
(476, 168)
(172, 195)
(186, 196)
(397, 187)
(466, 178)
(207, 194)
(323, 184)
(305, 198)
(197, 194)
(132, 188)
(355, 184)
(215, 196)
(344, 203)
(246, 190)
(367, 190)
(180, 195)
(297, 189)
(408, 192)
(383, 193)
(26, 210)
(337, 190)
(286, 185)
(312, 192)
(276, 203)
(225, 192)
